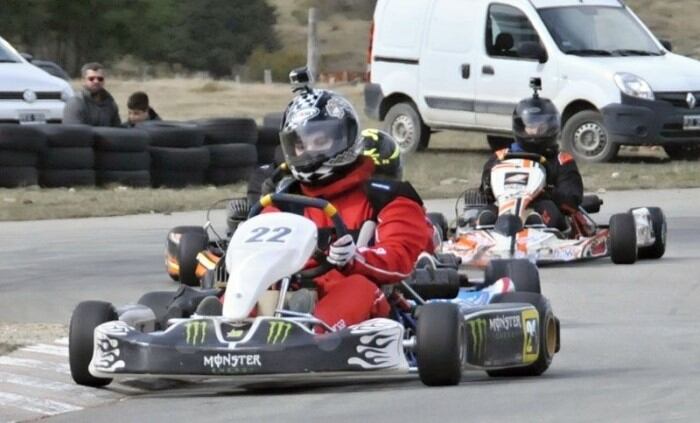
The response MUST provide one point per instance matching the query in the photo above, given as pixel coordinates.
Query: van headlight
(633, 86)
(66, 94)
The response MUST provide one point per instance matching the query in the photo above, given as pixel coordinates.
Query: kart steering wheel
(525, 156)
(329, 209)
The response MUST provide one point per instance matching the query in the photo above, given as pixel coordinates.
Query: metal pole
(312, 54)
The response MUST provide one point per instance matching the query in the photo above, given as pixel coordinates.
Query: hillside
(344, 40)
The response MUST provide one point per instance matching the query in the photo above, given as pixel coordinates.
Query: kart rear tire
(548, 337)
(658, 224)
(521, 272)
(193, 240)
(439, 344)
(86, 317)
(440, 222)
(623, 239)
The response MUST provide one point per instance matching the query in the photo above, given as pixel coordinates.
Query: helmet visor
(315, 142)
(535, 123)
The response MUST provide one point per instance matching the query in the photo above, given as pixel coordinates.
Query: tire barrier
(273, 120)
(122, 157)
(20, 147)
(228, 130)
(178, 167)
(68, 159)
(268, 142)
(231, 163)
(172, 134)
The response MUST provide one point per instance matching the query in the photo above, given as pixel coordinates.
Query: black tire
(13, 177)
(232, 155)
(439, 344)
(658, 225)
(193, 240)
(68, 136)
(86, 317)
(524, 274)
(439, 221)
(179, 159)
(55, 178)
(587, 138)
(67, 158)
(158, 301)
(22, 138)
(122, 140)
(689, 152)
(498, 143)
(13, 158)
(231, 175)
(266, 155)
(623, 239)
(405, 125)
(186, 136)
(130, 178)
(268, 136)
(273, 120)
(229, 130)
(176, 179)
(111, 160)
(548, 337)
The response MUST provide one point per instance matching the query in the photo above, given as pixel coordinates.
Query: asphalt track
(630, 338)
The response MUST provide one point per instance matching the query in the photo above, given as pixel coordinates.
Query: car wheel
(587, 138)
(521, 272)
(439, 344)
(406, 126)
(86, 317)
(623, 238)
(658, 225)
(548, 335)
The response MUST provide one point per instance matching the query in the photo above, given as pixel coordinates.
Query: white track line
(39, 383)
(34, 364)
(37, 405)
(47, 349)
(62, 341)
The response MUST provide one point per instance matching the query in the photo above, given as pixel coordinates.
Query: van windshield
(598, 31)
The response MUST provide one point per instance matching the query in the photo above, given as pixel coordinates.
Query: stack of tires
(20, 148)
(231, 145)
(268, 138)
(178, 157)
(122, 157)
(69, 158)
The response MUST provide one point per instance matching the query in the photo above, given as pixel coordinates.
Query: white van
(464, 64)
(27, 93)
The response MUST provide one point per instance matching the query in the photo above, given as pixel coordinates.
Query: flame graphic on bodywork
(381, 346)
(105, 356)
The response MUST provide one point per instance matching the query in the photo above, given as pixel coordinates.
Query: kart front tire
(521, 272)
(439, 344)
(623, 239)
(548, 336)
(86, 317)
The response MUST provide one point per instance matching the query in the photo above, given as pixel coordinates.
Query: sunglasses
(96, 78)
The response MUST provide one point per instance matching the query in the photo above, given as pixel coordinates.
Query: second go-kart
(517, 179)
(502, 324)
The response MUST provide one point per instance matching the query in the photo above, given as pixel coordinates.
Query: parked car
(27, 93)
(436, 65)
(47, 66)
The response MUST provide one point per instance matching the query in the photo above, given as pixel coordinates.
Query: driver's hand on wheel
(342, 251)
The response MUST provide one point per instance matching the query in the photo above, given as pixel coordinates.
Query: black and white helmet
(320, 136)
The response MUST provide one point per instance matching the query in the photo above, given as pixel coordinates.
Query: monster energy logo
(478, 328)
(196, 332)
(278, 331)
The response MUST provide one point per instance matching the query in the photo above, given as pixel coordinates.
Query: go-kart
(502, 324)
(517, 179)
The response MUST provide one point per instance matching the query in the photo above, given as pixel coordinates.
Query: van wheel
(406, 126)
(587, 138)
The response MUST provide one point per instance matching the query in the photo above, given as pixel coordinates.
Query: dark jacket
(84, 108)
(564, 182)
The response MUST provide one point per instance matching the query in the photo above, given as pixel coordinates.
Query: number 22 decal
(278, 234)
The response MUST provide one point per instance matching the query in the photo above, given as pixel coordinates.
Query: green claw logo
(196, 332)
(478, 329)
(278, 332)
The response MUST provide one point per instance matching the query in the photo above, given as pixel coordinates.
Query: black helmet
(384, 152)
(536, 124)
(320, 136)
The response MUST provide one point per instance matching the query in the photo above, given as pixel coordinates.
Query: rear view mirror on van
(532, 50)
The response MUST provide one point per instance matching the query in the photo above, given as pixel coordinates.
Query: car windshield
(7, 55)
(598, 31)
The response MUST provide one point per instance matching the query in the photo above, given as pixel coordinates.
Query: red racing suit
(351, 295)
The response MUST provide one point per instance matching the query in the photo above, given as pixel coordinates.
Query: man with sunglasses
(94, 105)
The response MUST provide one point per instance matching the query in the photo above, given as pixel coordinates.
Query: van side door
(447, 67)
(506, 65)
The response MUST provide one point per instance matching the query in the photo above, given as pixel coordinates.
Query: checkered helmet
(320, 136)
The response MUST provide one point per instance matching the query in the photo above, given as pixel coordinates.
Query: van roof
(539, 4)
